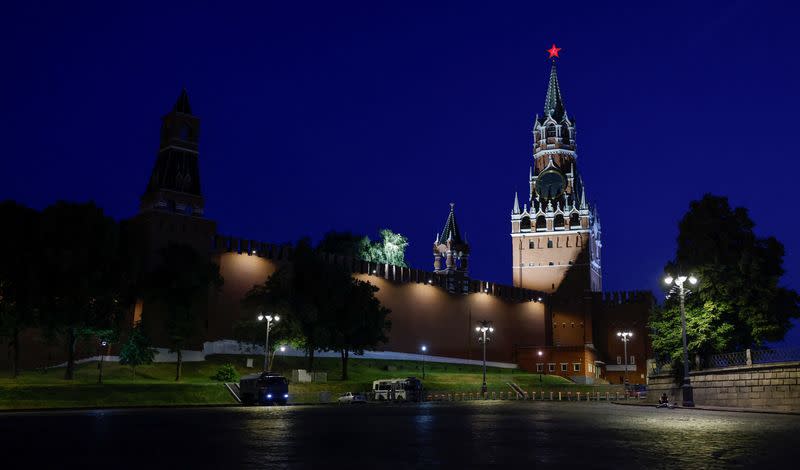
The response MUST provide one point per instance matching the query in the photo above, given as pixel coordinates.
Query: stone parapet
(767, 386)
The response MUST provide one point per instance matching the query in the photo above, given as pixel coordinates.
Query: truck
(407, 389)
(266, 388)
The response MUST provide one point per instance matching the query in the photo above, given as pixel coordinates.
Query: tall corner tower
(171, 208)
(555, 235)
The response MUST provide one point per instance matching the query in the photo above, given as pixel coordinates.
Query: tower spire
(554, 103)
(516, 204)
(450, 230)
(182, 105)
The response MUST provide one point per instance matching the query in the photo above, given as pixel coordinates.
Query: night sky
(321, 116)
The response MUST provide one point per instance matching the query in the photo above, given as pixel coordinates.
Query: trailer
(406, 389)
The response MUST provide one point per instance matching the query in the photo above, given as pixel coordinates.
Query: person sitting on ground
(663, 402)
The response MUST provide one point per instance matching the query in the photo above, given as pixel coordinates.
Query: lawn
(154, 385)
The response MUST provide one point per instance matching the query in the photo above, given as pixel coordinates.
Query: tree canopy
(739, 302)
(182, 278)
(389, 249)
(322, 306)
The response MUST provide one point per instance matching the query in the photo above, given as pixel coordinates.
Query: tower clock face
(550, 184)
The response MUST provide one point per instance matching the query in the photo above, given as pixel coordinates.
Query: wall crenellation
(625, 297)
(400, 274)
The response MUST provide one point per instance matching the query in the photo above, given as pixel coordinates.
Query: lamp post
(540, 372)
(268, 319)
(688, 398)
(483, 327)
(272, 359)
(423, 348)
(625, 336)
(104, 344)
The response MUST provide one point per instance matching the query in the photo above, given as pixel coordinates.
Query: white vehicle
(351, 398)
(397, 389)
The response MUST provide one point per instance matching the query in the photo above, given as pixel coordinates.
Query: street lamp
(625, 336)
(483, 327)
(423, 348)
(268, 319)
(688, 399)
(540, 372)
(272, 359)
(104, 344)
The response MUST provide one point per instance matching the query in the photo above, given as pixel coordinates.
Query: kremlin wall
(553, 320)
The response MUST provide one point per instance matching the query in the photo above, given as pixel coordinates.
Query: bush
(226, 373)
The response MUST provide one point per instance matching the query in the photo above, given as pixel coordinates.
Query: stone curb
(715, 408)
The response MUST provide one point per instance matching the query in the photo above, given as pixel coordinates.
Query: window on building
(531, 244)
(619, 360)
(572, 324)
(551, 130)
(525, 223)
(574, 220)
(551, 367)
(549, 243)
(541, 223)
(569, 262)
(564, 325)
(539, 367)
(558, 222)
(576, 367)
(550, 263)
(633, 360)
(564, 366)
(590, 368)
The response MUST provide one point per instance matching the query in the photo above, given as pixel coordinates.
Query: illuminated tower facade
(555, 234)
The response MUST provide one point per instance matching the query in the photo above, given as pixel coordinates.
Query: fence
(749, 357)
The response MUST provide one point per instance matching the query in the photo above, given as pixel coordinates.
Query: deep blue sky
(320, 116)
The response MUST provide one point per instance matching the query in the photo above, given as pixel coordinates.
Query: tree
(19, 274)
(389, 250)
(80, 272)
(360, 322)
(297, 292)
(183, 277)
(137, 350)
(739, 302)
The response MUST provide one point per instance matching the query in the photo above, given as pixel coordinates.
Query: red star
(553, 51)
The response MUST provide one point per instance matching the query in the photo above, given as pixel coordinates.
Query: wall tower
(556, 234)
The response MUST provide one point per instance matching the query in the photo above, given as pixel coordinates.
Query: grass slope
(155, 385)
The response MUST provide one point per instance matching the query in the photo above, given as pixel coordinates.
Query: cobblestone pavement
(432, 435)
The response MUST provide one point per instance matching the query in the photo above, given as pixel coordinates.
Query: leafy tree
(297, 292)
(359, 322)
(183, 277)
(19, 274)
(739, 302)
(389, 250)
(80, 272)
(137, 350)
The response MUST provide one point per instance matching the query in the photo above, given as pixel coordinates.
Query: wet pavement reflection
(472, 434)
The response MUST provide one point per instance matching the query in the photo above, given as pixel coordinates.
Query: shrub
(226, 373)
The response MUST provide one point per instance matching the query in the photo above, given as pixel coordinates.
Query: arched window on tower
(186, 132)
(558, 222)
(565, 134)
(551, 130)
(541, 223)
(574, 220)
(525, 223)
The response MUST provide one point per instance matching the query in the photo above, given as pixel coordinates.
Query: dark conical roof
(450, 230)
(553, 102)
(182, 105)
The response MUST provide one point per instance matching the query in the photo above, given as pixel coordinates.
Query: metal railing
(766, 356)
(739, 358)
(750, 357)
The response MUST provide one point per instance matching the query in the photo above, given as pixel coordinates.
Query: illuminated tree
(739, 302)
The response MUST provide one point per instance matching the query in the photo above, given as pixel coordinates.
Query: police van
(407, 389)
(266, 388)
